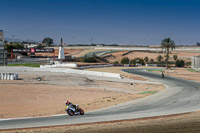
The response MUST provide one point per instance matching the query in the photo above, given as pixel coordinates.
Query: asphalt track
(181, 96)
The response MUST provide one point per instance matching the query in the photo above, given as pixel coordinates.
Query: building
(3, 53)
(1, 38)
(3, 56)
(195, 62)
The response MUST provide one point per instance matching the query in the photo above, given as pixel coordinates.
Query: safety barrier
(96, 66)
(8, 76)
(59, 65)
(65, 70)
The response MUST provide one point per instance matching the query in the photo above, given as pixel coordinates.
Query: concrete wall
(96, 66)
(59, 65)
(74, 71)
(195, 62)
(65, 70)
(93, 73)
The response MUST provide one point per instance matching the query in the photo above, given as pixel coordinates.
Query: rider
(162, 75)
(67, 103)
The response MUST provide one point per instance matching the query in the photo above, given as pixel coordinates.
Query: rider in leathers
(67, 103)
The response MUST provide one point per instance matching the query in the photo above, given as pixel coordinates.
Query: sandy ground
(184, 73)
(183, 123)
(30, 97)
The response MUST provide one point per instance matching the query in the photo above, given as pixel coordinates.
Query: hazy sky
(102, 21)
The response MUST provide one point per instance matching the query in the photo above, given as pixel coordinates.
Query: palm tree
(146, 59)
(167, 44)
(151, 61)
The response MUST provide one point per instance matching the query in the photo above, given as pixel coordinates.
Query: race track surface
(181, 96)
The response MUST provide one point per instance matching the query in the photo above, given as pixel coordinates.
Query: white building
(195, 62)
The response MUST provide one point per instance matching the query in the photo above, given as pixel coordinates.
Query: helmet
(67, 102)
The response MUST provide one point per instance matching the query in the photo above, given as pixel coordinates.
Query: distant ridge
(19, 40)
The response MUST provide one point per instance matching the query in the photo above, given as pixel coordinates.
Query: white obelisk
(61, 51)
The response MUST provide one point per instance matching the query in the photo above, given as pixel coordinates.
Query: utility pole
(4, 60)
(73, 39)
(91, 40)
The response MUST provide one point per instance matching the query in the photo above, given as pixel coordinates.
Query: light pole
(73, 39)
(4, 61)
(91, 40)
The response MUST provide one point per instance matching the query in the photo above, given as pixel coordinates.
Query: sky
(133, 22)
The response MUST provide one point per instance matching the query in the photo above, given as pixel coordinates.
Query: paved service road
(180, 96)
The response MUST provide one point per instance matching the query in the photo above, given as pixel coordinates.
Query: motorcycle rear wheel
(81, 111)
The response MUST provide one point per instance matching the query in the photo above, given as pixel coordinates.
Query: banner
(33, 50)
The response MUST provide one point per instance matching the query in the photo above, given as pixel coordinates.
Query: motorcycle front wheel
(70, 112)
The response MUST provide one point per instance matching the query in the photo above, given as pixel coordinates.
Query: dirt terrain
(30, 97)
(184, 73)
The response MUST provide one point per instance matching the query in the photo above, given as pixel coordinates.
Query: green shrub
(138, 60)
(125, 60)
(175, 57)
(180, 63)
(90, 59)
(116, 62)
(146, 59)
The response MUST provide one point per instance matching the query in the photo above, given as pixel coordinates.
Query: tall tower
(61, 50)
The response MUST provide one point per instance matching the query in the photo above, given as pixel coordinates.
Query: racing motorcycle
(74, 110)
(162, 75)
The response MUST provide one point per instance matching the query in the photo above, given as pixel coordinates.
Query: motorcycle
(74, 110)
(162, 75)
